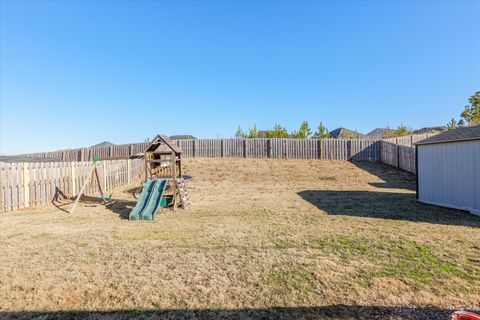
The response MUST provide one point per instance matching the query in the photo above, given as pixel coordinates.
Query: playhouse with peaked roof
(163, 161)
(163, 158)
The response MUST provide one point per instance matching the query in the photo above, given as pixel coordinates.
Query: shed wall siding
(477, 177)
(449, 174)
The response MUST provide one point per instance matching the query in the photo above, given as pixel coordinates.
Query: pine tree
(253, 132)
(322, 132)
(402, 130)
(240, 134)
(277, 132)
(452, 124)
(304, 132)
(471, 113)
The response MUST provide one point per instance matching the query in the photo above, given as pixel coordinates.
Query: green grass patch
(411, 260)
(398, 258)
(290, 280)
(343, 246)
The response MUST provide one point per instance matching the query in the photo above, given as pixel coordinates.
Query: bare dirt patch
(263, 238)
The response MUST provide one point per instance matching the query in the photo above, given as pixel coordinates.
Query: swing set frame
(93, 172)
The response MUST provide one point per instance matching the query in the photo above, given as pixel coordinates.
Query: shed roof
(456, 135)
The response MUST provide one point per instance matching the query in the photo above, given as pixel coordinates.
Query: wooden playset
(164, 185)
(163, 160)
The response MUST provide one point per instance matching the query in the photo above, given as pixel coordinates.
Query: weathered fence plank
(332, 149)
(33, 184)
(399, 156)
(36, 183)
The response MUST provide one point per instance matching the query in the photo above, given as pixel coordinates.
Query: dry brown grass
(304, 236)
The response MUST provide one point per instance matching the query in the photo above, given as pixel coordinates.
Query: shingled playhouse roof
(162, 139)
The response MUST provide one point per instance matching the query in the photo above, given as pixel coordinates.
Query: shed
(448, 169)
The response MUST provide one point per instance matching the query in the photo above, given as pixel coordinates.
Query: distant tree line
(279, 131)
(470, 115)
(304, 132)
(401, 130)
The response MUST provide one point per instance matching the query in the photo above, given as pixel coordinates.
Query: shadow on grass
(134, 191)
(65, 203)
(121, 207)
(393, 178)
(61, 200)
(342, 312)
(386, 205)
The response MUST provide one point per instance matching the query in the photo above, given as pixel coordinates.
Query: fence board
(399, 156)
(256, 148)
(233, 148)
(407, 158)
(44, 178)
(36, 183)
(332, 149)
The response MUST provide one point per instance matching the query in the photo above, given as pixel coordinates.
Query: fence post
(380, 146)
(3, 206)
(104, 175)
(194, 147)
(244, 148)
(74, 191)
(269, 148)
(129, 171)
(285, 151)
(349, 150)
(26, 185)
(398, 156)
(222, 148)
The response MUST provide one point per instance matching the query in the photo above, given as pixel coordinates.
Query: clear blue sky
(77, 73)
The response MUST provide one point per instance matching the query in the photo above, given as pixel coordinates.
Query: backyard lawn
(263, 238)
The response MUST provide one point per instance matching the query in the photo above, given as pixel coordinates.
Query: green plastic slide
(150, 210)
(149, 201)
(142, 201)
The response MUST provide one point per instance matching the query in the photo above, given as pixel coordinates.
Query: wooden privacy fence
(328, 149)
(32, 184)
(402, 157)
(332, 149)
(410, 140)
(86, 154)
(35, 183)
